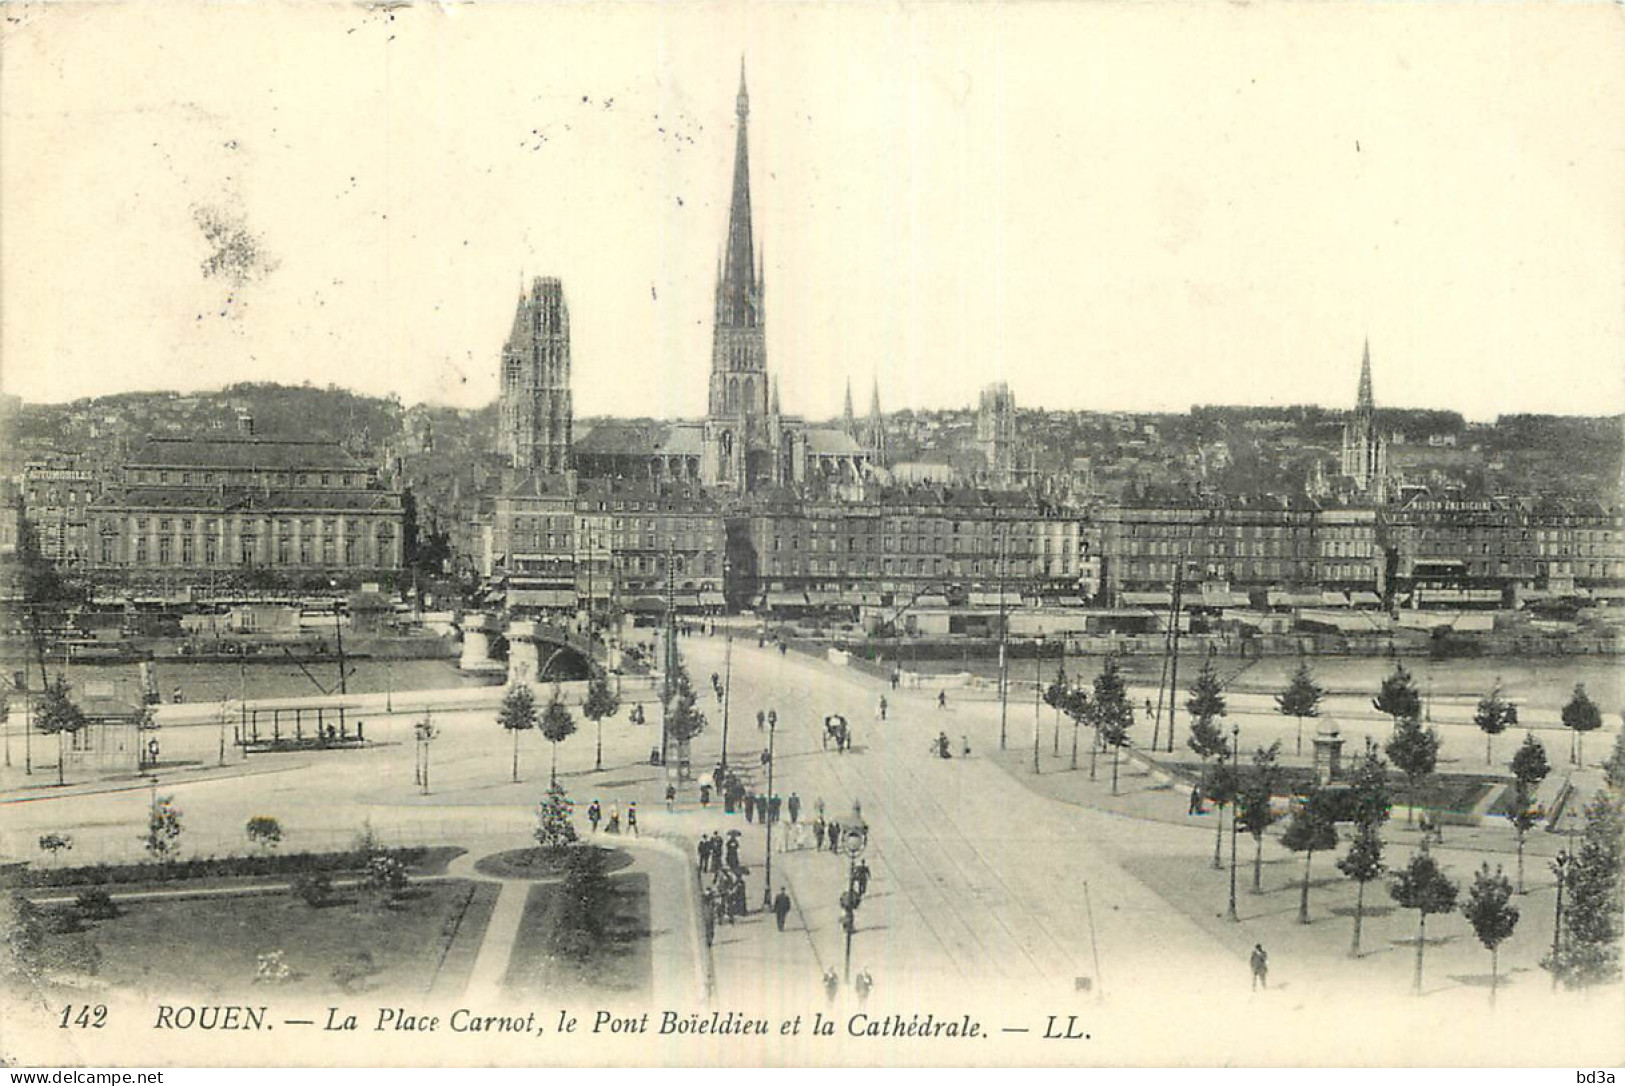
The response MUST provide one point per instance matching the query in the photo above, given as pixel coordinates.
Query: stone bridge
(537, 651)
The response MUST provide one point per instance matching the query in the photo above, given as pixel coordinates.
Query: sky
(1108, 206)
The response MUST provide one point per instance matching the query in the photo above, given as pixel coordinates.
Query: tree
(1422, 886)
(1614, 770)
(264, 831)
(1414, 750)
(1580, 715)
(1255, 809)
(57, 715)
(602, 703)
(1490, 911)
(1398, 697)
(1369, 799)
(1114, 728)
(1080, 711)
(1495, 715)
(1111, 711)
(518, 714)
(1588, 945)
(1309, 830)
(1055, 696)
(1529, 765)
(1363, 863)
(162, 839)
(1206, 705)
(557, 726)
(1300, 699)
(1220, 785)
(1529, 768)
(555, 828)
(585, 901)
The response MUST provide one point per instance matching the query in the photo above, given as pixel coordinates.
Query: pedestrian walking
(860, 878)
(861, 984)
(781, 907)
(671, 796)
(1196, 800)
(818, 832)
(717, 776)
(819, 807)
(896, 677)
(761, 720)
(1261, 967)
(883, 701)
(708, 916)
(832, 984)
(632, 819)
(614, 825)
(594, 813)
(733, 854)
(834, 834)
(704, 849)
(942, 699)
(795, 808)
(774, 806)
(750, 807)
(964, 746)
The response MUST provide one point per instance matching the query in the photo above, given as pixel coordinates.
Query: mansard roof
(243, 452)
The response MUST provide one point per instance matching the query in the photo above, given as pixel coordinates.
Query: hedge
(420, 860)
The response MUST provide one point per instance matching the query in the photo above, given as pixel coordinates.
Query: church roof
(683, 439)
(828, 442)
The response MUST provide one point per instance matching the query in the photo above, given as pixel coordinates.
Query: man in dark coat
(750, 806)
(860, 877)
(795, 807)
(818, 832)
(704, 849)
(835, 837)
(781, 907)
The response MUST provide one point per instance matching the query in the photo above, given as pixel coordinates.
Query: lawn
(208, 947)
(618, 965)
(541, 863)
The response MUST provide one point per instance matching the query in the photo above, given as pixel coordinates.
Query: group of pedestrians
(595, 815)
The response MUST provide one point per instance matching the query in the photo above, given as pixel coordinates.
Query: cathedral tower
(536, 414)
(739, 447)
(1365, 453)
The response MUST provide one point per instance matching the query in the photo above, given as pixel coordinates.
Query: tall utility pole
(767, 816)
(727, 688)
(671, 650)
(338, 633)
(1173, 655)
(1235, 791)
(1004, 670)
(1038, 697)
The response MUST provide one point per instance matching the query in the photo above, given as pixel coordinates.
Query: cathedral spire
(874, 402)
(1365, 402)
(847, 417)
(739, 267)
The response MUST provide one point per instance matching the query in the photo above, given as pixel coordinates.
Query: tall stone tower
(738, 444)
(996, 434)
(1365, 453)
(536, 414)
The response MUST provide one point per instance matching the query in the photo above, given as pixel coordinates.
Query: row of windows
(188, 477)
(187, 552)
(211, 526)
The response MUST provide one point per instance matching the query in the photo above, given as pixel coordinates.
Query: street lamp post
(767, 816)
(1561, 865)
(425, 733)
(1038, 699)
(856, 840)
(1235, 781)
(1004, 666)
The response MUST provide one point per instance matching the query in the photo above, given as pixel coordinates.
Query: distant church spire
(847, 417)
(1365, 402)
